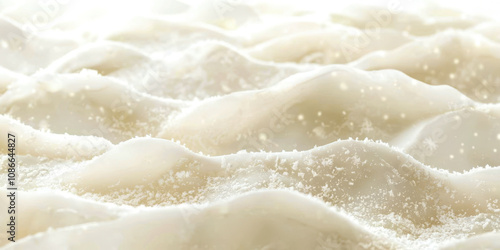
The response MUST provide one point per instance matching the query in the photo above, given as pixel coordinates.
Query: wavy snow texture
(206, 127)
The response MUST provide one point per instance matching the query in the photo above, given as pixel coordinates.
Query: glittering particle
(4, 44)
(343, 86)
(262, 137)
